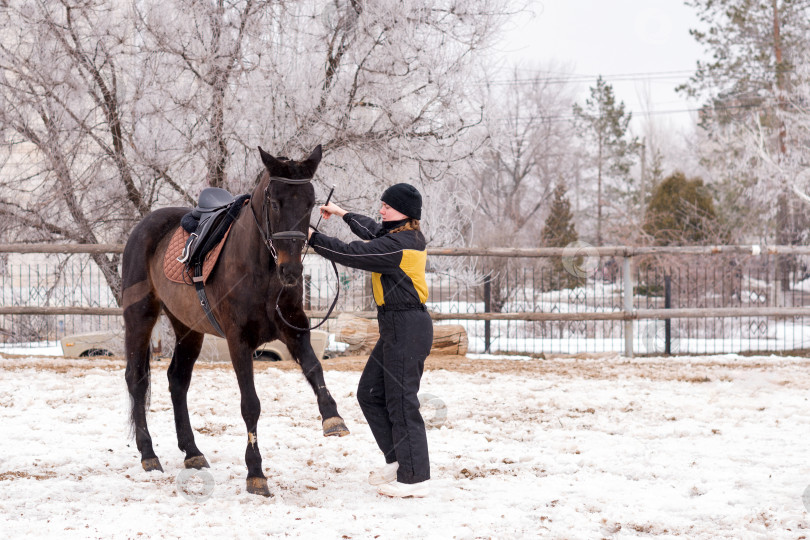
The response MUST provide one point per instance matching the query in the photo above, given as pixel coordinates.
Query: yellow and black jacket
(396, 260)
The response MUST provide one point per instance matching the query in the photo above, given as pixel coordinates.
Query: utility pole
(599, 192)
(784, 234)
(577, 178)
(643, 186)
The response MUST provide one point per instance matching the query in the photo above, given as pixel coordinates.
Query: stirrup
(183, 258)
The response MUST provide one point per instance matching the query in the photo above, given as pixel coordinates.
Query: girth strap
(199, 285)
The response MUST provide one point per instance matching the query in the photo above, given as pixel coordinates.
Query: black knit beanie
(404, 198)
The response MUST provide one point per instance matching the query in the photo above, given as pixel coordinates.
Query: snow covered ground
(571, 447)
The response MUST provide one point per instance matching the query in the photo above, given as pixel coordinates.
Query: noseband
(268, 236)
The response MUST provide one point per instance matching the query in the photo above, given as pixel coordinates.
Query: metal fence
(701, 300)
(58, 281)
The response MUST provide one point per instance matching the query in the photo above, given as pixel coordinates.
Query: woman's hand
(331, 208)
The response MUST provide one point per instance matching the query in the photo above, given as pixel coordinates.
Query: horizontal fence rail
(602, 251)
(61, 248)
(622, 251)
(628, 299)
(634, 315)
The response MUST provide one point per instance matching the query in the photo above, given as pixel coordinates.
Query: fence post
(627, 294)
(667, 322)
(487, 309)
(308, 292)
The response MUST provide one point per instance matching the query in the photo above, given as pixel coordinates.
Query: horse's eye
(274, 206)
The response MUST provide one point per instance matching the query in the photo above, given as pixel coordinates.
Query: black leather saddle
(212, 199)
(208, 222)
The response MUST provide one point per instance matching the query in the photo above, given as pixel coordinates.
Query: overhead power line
(581, 78)
(573, 78)
(570, 117)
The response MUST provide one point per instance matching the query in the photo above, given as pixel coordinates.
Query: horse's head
(288, 200)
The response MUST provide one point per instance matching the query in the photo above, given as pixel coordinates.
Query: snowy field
(577, 447)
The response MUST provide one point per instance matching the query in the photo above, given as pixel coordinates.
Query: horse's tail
(146, 381)
(139, 319)
(141, 308)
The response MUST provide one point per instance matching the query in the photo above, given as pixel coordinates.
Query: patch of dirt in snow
(16, 475)
(696, 369)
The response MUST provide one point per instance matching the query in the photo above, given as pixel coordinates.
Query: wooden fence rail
(61, 248)
(603, 251)
(633, 315)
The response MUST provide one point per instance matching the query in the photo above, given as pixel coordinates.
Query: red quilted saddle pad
(175, 270)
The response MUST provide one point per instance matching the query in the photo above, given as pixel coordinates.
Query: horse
(257, 277)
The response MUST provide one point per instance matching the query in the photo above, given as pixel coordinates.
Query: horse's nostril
(291, 270)
(290, 274)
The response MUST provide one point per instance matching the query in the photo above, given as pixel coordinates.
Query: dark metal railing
(656, 300)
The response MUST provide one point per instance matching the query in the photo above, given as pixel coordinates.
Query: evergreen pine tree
(681, 212)
(559, 231)
(604, 126)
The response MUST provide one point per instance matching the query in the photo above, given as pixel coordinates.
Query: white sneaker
(384, 475)
(398, 489)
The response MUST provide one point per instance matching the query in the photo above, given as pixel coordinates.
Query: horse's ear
(269, 161)
(310, 165)
(315, 157)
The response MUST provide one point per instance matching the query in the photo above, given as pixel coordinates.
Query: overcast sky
(639, 46)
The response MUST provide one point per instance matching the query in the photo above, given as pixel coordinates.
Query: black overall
(388, 387)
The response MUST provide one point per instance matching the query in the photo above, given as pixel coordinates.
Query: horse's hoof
(152, 464)
(334, 426)
(196, 462)
(258, 486)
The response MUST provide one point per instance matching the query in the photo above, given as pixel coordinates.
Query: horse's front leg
(300, 347)
(242, 359)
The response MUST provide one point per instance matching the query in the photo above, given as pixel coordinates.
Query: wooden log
(361, 335)
(449, 339)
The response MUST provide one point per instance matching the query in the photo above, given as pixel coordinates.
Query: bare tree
(761, 184)
(382, 85)
(206, 52)
(70, 90)
(529, 150)
(116, 109)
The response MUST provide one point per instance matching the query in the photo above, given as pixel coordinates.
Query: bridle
(266, 232)
(268, 236)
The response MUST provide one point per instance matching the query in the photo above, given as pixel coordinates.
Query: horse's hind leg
(141, 310)
(186, 350)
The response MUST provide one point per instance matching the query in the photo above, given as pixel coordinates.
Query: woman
(395, 253)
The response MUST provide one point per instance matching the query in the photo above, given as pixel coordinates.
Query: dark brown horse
(242, 291)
